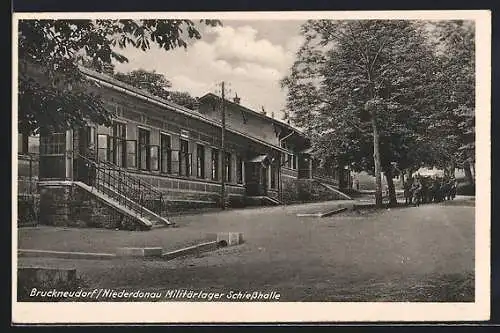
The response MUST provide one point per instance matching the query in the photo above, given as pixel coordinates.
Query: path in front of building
(421, 253)
(193, 228)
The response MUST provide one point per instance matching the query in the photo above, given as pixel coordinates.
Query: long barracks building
(159, 157)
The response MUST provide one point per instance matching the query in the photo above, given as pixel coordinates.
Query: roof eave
(179, 109)
(274, 121)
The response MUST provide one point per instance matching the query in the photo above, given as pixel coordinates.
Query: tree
(454, 123)
(52, 93)
(184, 98)
(360, 89)
(157, 84)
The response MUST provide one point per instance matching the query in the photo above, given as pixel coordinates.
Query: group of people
(422, 189)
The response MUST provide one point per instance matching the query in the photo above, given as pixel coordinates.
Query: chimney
(236, 99)
(263, 112)
(196, 106)
(272, 114)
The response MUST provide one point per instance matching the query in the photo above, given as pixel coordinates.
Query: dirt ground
(418, 254)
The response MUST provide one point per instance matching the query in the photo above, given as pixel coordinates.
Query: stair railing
(146, 194)
(115, 182)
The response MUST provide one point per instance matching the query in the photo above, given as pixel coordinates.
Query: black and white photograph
(251, 167)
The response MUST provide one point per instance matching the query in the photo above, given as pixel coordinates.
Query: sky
(250, 56)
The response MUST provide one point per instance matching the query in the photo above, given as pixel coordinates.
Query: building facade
(155, 146)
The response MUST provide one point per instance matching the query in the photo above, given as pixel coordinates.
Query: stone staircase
(142, 211)
(137, 201)
(336, 190)
(315, 190)
(261, 201)
(142, 221)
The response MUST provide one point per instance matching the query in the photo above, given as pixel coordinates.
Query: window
(90, 133)
(200, 161)
(273, 176)
(175, 162)
(117, 144)
(166, 153)
(144, 151)
(283, 155)
(131, 153)
(87, 136)
(53, 144)
(52, 156)
(111, 146)
(228, 168)
(215, 164)
(102, 147)
(289, 161)
(294, 162)
(34, 144)
(22, 143)
(154, 153)
(239, 170)
(184, 159)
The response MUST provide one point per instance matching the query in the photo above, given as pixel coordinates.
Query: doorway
(256, 179)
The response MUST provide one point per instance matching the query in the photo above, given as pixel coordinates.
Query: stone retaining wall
(312, 190)
(70, 205)
(306, 190)
(289, 189)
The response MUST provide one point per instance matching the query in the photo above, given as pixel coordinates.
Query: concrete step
(150, 215)
(141, 220)
(335, 190)
(261, 201)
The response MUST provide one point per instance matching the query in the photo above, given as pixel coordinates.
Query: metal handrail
(134, 180)
(131, 178)
(127, 190)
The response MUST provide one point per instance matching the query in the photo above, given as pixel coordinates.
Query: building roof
(118, 83)
(255, 113)
(120, 86)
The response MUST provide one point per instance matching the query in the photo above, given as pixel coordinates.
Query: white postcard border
(175, 312)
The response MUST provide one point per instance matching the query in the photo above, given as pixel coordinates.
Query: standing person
(356, 182)
(408, 191)
(451, 189)
(454, 189)
(417, 191)
(435, 190)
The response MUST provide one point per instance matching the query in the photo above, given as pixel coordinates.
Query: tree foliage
(157, 84)
(453, 129)
(52, 94)
(360, 87)
(184, 98)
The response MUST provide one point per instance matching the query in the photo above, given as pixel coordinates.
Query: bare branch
(378, 52)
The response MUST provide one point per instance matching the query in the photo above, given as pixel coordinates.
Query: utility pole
(223, 137)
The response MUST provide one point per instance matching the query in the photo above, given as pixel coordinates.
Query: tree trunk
(390, 184)
(340, 172)
(452, 169)
(376, 160)
(468, 173)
